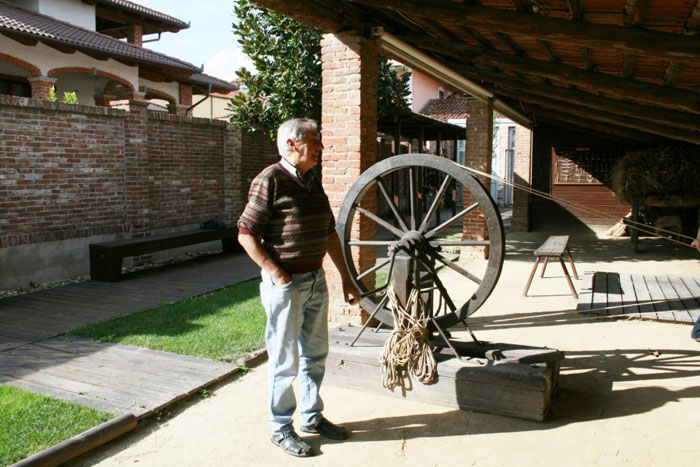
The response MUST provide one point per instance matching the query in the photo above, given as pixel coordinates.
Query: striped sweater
(293, 222)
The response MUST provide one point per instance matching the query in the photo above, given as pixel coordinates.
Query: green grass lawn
(30, 422)
(224, 325)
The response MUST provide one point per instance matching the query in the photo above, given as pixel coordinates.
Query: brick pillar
(136, 169)
(349, 126)
(478, 156)
(103, 100)
(178, 109)
(41, 86)
(522, 175)
(185, 94)
(134, 35)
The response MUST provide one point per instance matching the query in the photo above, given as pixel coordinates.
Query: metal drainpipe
(199, 101)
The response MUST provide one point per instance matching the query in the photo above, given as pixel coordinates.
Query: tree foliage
(287, 57)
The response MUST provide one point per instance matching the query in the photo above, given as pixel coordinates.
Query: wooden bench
(106, 257)
(554, 247)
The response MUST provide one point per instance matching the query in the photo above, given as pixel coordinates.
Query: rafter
(331, 16)
(636, 12)
(637, 41)
(606, 117)
(575, 9)
(628, 62)
(512, 45)
(558, 117)
(551, 53)
(673, 72)
(633, 90)
(511, 86)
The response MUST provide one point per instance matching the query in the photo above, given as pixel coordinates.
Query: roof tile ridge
(195, 68)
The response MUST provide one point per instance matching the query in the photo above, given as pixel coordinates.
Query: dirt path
(630, 394)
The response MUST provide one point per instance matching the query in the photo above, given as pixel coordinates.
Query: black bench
(106, 257)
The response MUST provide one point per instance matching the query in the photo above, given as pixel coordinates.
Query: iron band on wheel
(414, 236)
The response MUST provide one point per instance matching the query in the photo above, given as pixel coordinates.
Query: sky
(209, 40)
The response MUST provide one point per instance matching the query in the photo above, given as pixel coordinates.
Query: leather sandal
(292, 444)
(326, 429)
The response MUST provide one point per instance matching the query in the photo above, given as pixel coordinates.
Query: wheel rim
(407, 223)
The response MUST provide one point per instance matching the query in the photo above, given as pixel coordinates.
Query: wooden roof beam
(578, 122)
(637, 91)
(636, 12)
(673, 72)
(607, 117)
(514, 86)
(636, 41)
(331, 16)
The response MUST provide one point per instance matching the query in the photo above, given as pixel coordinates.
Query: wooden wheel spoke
(412, 196)
(380, 221)
(392, 206)
(442, 226)
(460, 243)
(440, 286)
(454, 267)
(373, 269)
(370, 242)
(436, 204)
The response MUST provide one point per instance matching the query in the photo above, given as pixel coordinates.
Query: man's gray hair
(294, 129)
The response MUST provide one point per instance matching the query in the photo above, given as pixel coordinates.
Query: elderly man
(287, 228)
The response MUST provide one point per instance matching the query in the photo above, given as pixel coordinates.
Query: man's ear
(290, 144)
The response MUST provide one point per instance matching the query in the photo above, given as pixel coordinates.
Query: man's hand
(281, 277)
(696, 244)
(351, 293)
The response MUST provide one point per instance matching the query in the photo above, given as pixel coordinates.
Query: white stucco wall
(215, 107)
(425, 88)
(71, 11)
(172, 89)
(47, 58)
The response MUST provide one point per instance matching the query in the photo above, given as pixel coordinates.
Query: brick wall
(72, 173)
(598, 197)
(61, 171)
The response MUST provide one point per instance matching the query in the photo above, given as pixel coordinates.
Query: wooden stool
(554, 246)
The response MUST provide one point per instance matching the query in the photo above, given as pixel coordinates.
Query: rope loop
(408, 347)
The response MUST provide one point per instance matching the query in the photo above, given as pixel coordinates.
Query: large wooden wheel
(410, 189)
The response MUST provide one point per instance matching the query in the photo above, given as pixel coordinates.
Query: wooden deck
(36, 355)
(664, 298)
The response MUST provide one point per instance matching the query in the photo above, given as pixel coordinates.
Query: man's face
(308, 151)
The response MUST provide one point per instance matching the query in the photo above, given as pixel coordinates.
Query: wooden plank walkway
(664, 298)
(36, 355)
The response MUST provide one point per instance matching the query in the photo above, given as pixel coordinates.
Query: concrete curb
(81, 443)
(101, 434)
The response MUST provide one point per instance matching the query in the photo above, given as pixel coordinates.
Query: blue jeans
(297, 345)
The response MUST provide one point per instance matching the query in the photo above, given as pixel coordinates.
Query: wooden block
(511, 389)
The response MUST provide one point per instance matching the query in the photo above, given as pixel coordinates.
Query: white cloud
(224, 63)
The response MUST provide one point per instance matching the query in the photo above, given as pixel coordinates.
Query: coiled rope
(408, 347)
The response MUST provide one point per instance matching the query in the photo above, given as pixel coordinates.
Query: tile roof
(216, 83)
(446, 109)
(143, 11)
(34, 25)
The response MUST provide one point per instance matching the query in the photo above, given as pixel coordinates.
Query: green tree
(287, 57)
